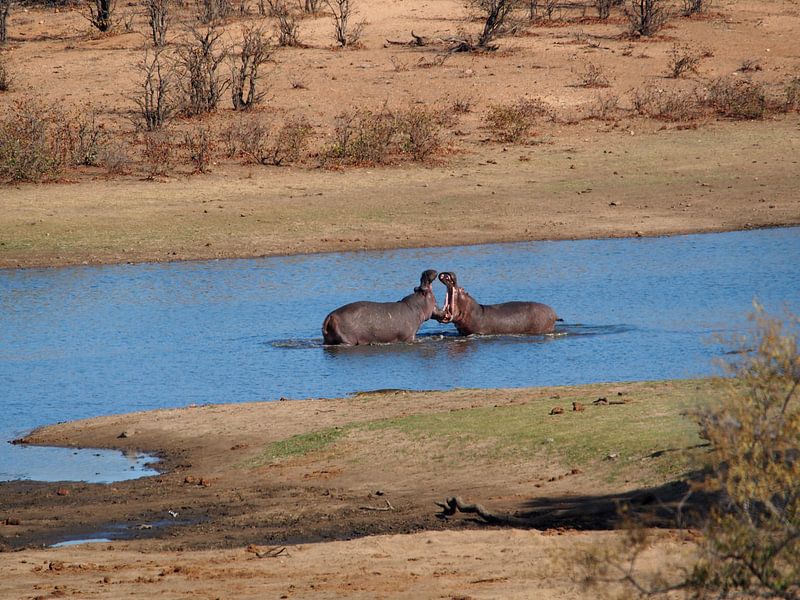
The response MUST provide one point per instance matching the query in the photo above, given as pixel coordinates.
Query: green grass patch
(299, 445)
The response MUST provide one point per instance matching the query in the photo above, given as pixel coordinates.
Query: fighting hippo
(382, 322)
(469, 317)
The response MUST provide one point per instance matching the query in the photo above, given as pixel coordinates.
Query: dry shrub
(246, 138)
(345, 33)
(256, 50)
(200, 147)
(211, 11)
(603, 8)
(5, 77)
(496, 16)
(737, 98)
(155, 98)
(462, 105)
(514, 122)
(158, 12)
(593, 76)
(692, 7)
(362, 137)
(287, 23)
(39, 141)
(604, 107)
(157, 153)
(667, 104)
(750, 65)
(101, 14)
(792, 94)
(421, 131)
(257, 143)
(290, 142)
(646, 17)
(199, 61)
(682, 59)
(115, 158)
(311, 7)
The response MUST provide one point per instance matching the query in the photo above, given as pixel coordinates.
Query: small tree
(101, 14)
(497, 13)
(691, 7)
(155, 101)
(342, 11)
(211, 11)
(311, 7)
(5, 7)
(158, 16)
(288, 27)
(200, 60)
(646, 17)
(256, 50)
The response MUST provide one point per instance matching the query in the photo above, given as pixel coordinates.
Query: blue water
(87, 341)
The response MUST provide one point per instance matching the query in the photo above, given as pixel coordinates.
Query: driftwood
(379, 508)
(455, 503)
(418, 40)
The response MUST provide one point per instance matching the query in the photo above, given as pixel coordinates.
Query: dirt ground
(366, 502)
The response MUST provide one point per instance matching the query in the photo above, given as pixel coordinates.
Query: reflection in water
(87, 341)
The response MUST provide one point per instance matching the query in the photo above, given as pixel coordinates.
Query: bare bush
(342, 12)
(287, 23)
(211, 11)
(646, 17)
(158, 18)
(5, 77)
(200, 60)
(246, 138)
(496, 14)
(462, 105)
(158, 153)
(101, 14)
(594, 76)
(115, 159)
(667, 104)
(693, 7)
(604, 107)
(256, 50)
(513, 122)
(737, 98)
(200, 146)
(362, 137)
(155, 97)
(682, 59)
(290, 142)
(81, 138)
(792, 94)
(311, 7)
(603, 8)
(5, 7)
(421, 131)
(750, 65)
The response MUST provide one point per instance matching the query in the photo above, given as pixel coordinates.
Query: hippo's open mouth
(449, 309)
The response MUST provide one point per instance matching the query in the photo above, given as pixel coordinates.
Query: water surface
(87, 341)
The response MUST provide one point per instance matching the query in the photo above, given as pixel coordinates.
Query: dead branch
(455, 503)
(269, 552)
(418, 40)
(379, 508)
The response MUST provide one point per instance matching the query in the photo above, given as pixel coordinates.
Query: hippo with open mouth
(470, 317)
(382, 322)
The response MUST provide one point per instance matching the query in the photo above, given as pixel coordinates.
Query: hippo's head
(425, 281)
(453, 304)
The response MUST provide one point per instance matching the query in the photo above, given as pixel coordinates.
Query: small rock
(190, 479)
(578, 407)
(56, 565)
(205, 482)
(125, 434)
(556, 410)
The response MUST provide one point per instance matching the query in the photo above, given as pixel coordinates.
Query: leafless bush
(101, 14)
(593, 76)
(211, 11)
(115, 158)
(200, 146)
(462, 105)
(342, 11)
(290, 142)
(158, 18)
(682, 59)
(158, 153)
(604, 107)
(421, 131)
(5, 7)
(82, 138)
(5, 77)
(288, 26)
(246, 138)
(792, 94)
(200, 60)
(311, 7)
(362, 137)
(256, 50)
(646, 17)
(750, 65)
(603, 8)
(692, 7)
(155, 98)
(513, 122)
(667, 104)
(737, 98)
(496, 14)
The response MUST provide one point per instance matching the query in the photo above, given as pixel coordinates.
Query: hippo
(469, 317)
(382, 322)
